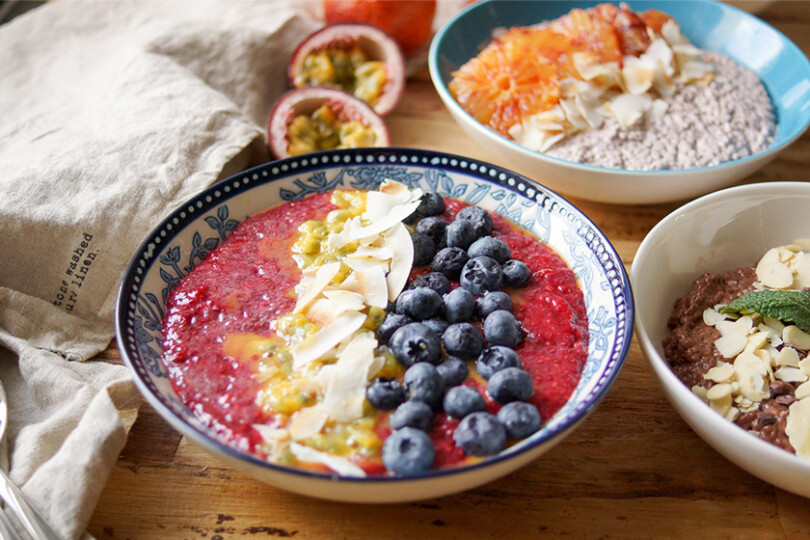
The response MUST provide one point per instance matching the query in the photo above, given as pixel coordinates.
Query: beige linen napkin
(111, 115)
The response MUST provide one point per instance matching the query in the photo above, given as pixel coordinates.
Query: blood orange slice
(507, 81)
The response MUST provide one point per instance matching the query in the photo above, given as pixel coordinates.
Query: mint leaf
(785, 306)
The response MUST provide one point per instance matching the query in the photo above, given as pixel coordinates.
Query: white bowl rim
(523, 447)
(451, 103)
(713, 421)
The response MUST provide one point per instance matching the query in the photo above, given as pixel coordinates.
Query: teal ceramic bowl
(780, 64)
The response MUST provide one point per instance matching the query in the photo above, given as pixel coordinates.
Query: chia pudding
(730, 118)
(751, 368)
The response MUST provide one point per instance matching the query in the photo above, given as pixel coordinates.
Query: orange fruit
(409, 22)
(518, 74)
(508, 80)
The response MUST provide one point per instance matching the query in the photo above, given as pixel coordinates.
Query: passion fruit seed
(322, 118)
(359, 59)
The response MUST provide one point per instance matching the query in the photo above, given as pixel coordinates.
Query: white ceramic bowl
(710, 25)
(727, 229)
(197, 227)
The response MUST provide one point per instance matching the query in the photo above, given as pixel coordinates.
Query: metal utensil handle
(34, 523)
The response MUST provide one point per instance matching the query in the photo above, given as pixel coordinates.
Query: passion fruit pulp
(357, 58)
(317, 118)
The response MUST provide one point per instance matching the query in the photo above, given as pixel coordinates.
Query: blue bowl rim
(441, 87)
(207, 439)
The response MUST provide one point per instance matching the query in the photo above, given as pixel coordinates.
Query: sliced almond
(797, 427)
(730, 345)
(790, 374)
(722, 372)
(795, 337)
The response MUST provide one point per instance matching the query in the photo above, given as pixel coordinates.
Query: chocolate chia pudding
(749, 367)
(689, 348)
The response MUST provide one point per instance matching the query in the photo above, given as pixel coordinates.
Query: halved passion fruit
(358, 58)
(322, 118)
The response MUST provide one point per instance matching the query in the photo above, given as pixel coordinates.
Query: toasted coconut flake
(401, 263)
(307, 422)
(628, 108)
(338, 464)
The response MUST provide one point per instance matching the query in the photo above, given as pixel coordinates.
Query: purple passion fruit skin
(358, 58)
(320, 118)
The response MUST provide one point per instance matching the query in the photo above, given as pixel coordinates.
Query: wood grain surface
(633, 469)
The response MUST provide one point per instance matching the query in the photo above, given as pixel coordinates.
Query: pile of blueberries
(429, 331)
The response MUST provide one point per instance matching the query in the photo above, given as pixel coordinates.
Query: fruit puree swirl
(401, 348)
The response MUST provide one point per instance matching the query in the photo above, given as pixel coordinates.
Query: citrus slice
(508, 80)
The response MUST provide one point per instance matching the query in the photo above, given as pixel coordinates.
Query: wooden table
(632, 469)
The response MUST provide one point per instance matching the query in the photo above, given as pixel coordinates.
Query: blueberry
(494, 359)
(519, 418)
(435, 228)
(510, 384)
(423, 383)
(423, 249)
(463, 340)
(385, 394)
(415, 414)
(419, 303)
(453, 371)
(460, 401)
(432, 280)
(459, 305)
(449, 261)
(516, 274)
(502, 328)
(492, 301)
(437, 325)
(432, 204)
(460, 233)
(488, 246)
(480, 219)
(480, 434)
(408, 451)
(481, 274)
(390, 324)
(414, 343)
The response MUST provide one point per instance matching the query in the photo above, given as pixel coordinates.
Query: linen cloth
(111, 115)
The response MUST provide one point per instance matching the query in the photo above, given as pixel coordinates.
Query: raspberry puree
(247, 282)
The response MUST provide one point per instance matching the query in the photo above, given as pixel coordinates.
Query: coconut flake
(401, 263)
(327, 338)
(307, 422)
(338, 464)
(323, 277)
(629, 108)
(346, 389)
(373, 286)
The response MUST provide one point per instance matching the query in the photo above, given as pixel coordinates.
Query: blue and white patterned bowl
(716, 26)
(197, 227)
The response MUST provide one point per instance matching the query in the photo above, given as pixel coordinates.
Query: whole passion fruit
(358, 58)
(322, 118)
